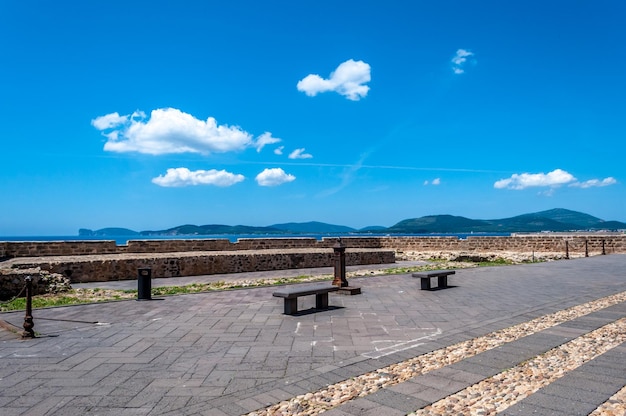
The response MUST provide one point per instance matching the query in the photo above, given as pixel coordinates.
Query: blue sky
(149, 115)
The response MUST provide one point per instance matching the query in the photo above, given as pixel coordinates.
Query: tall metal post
(566, 249)
(603, 249)
(586, 248)
(28, 318)
(340, 264)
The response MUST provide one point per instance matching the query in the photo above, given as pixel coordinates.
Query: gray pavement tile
(475, 368)
(396, 400)
(365, 407)
(440, 382)
(526, 409)
(585, 395)
(579, 380)
(496, 358)
(559, 404)
(430, 395)
(233, 409)
(450, 372)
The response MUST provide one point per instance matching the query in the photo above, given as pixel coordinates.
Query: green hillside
(312, 227)
(557, 219)
(210, 229)
(437, 224)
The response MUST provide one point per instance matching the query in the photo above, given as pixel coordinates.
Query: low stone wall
(540, 243)
(13, 283)
(124, 266)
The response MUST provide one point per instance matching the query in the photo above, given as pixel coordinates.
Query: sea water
(121, 240)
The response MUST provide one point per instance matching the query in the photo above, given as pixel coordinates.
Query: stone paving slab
(224, 353)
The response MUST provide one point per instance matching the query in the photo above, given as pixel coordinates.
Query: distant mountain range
(555, 220)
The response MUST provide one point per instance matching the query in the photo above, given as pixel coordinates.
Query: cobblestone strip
(615, 406)
(363, 385)
(497, 393)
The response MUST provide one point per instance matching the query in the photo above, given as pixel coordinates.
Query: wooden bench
(292, 293)
(441, 275)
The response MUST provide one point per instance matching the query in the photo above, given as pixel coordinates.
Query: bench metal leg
(291, 306)
(321, 301)
(442, 281)
(425, 283)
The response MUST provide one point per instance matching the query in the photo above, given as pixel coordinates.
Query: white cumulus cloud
(169, 130)
(299, 154)
(593, 183)
(460, 59)
(179, 177)
(273, 177)
(348, 80)
(527, 180)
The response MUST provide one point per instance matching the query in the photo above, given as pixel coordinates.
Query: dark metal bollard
(144, 284)
(586, 248)
(566, 250)
(28, 318)
(603, 249)
(340, 264)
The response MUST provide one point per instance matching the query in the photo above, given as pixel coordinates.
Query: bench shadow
(434, 289)
(315, 310)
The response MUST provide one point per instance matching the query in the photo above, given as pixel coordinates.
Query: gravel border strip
(365, 384)
(496, 394)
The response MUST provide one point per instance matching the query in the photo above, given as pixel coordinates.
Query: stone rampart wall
(125, 267)
(614, 243)
(11, 249)
(539, 243)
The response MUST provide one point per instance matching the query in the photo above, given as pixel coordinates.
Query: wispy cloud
(434, 182)
(170, 131)
(348, 79)
(594, 183)
(179, 177)
(299, 154)
(274, 177)
(554, 179)
(265, 139)
(460, 60)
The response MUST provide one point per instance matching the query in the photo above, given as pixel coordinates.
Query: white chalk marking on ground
(297, 327)
(400, 346)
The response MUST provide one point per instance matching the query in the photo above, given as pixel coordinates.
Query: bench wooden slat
(295, 291)
(290, 294)
(433, 273)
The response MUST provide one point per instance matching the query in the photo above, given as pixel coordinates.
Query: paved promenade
(234, 352)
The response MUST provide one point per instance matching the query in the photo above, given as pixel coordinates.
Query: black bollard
(144, 283)
(340, 264)
(603, 249)
(566, 250)
(586, 248)
(28, 318)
